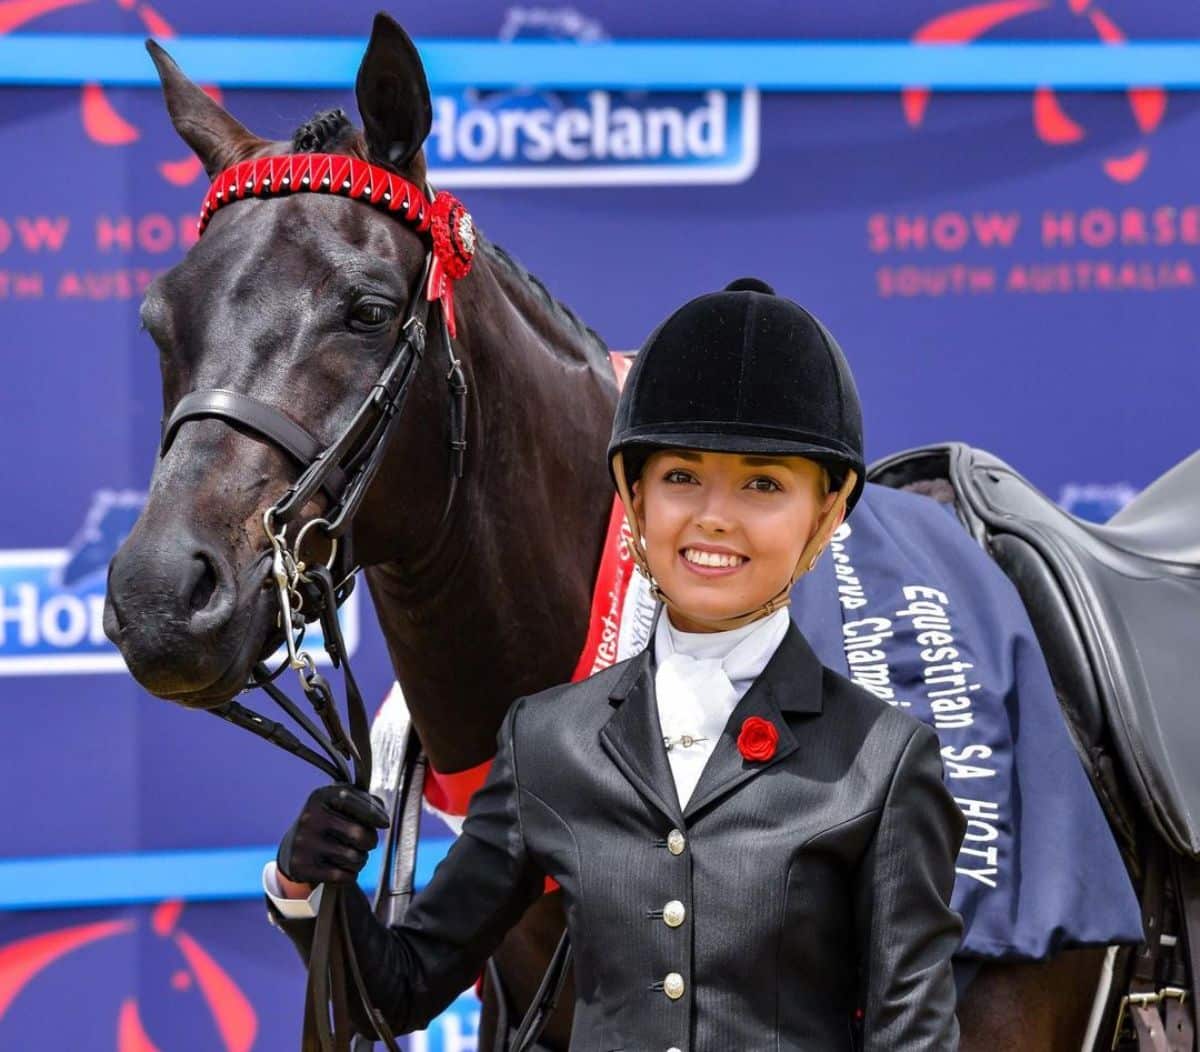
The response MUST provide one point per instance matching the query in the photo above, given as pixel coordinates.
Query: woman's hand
(329, 842)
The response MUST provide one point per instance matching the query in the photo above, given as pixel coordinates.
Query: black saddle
(1116, 609)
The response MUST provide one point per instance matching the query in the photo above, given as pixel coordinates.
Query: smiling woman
(725, 532)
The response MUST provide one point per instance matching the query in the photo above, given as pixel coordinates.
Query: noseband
(343, 470)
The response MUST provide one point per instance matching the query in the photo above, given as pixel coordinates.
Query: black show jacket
(785, 895)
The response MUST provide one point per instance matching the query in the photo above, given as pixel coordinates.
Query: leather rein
(343, 470)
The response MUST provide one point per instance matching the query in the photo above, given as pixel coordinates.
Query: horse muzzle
(188, 626)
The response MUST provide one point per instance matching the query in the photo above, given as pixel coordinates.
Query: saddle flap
(1115, 609)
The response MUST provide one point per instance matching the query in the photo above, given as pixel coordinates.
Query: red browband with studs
(444, 221)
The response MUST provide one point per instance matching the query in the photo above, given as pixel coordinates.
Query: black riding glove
(329, 842)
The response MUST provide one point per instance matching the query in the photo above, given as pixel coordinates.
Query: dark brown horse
(297, 301)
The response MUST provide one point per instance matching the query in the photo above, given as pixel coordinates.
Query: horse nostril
(205, 584)
(112, 609)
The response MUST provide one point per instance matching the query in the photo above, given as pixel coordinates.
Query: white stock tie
(699, 679)
(695, 699)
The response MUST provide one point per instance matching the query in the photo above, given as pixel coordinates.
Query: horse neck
(503, 609)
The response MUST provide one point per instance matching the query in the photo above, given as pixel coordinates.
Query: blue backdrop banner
(1016, 270)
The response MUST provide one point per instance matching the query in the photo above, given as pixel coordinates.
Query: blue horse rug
(912, 609)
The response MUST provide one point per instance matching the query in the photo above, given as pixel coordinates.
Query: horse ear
(393, 95)
(217, 138)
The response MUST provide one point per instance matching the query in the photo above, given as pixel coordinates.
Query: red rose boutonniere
(758, 739)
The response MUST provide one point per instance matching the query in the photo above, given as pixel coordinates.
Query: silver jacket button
(673, 913)
(675, 842)
(673, 986)
(672, 1049)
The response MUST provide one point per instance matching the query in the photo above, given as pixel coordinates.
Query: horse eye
(371, 314)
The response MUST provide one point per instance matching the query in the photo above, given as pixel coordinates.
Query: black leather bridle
(343, 470)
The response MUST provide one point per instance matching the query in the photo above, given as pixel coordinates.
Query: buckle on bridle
(298, 547)
(417, 336)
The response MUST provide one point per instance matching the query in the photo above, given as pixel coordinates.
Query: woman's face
(724, 531)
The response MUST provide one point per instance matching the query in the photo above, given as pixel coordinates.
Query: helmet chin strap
(808, 558)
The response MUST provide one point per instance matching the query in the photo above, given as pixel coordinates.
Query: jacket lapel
(791, 682)
(632, 737)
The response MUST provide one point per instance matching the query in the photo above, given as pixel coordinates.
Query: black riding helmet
(742, 371)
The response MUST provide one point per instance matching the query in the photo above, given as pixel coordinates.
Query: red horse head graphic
(101, 121)
(24, 960)
(1050, 120)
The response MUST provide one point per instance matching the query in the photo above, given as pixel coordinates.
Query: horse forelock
(330, 131)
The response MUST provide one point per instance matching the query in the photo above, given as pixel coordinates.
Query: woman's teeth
(700, 558)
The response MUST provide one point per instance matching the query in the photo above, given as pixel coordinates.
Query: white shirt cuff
(294, 909)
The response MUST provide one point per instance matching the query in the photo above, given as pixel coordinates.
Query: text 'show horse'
(310, 387)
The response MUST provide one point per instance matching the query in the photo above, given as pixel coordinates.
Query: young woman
(751, 848)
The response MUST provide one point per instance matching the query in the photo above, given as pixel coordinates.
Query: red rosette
(758, 739)
(453, 234)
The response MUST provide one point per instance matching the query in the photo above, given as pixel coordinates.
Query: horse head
(296, 302)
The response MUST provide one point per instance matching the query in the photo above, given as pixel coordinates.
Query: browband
(443, 221)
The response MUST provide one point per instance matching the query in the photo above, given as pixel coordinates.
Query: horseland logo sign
(52, 600)
(593, 138)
